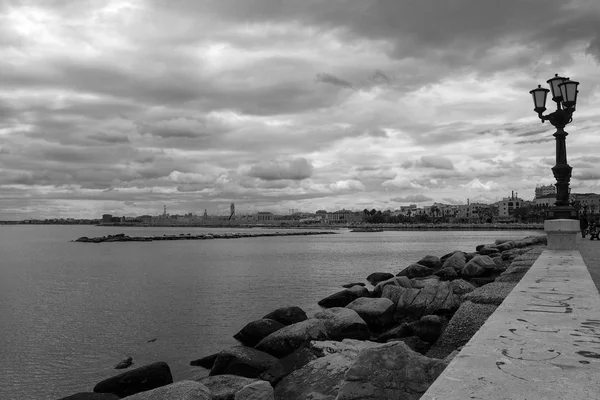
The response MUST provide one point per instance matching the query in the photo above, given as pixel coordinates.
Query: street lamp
(564, 93)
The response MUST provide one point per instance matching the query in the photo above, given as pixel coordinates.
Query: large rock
(420, 283)
(287, 365)
(377, 277)
(224, 387)
(292, 337)
(393, 293)
(460, 287)
(344, 297)
(447, 274)
(488, 249)
(91, 396)
(390, 371)
(492, 293)
(256, 331)
(343, 323)
(415, 271)
(205, 362)
(242, 361)
(428, 328)
(404, 302)
(378, 313)
(401, 281)
(431, 262)
(321, 377)
(463, 325)
(137, 380)
(287, 315)
(479, 266)
(182, 390)
(508, 245)
(457, 261)
(397, 332)
(259, 390)
(432, 299)
(349, 285)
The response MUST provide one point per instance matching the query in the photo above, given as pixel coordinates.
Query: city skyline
(123, 106)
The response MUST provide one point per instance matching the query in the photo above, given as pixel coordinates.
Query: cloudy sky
(124, 106)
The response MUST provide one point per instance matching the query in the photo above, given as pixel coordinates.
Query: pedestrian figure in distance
(583, 225)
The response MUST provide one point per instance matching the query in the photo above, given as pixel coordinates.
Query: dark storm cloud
(296, 169)
(417, 198)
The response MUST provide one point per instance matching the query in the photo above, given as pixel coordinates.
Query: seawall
(542, 342)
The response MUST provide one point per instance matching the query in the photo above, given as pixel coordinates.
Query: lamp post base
(562, 212)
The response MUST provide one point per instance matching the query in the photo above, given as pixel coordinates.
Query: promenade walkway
(590, 252)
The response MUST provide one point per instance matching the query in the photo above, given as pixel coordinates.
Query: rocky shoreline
(391, 341)
(121, 237)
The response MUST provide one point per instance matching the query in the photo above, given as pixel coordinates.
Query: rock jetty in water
(121, 237)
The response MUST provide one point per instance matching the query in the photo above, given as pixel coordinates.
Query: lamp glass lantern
(554, 82)
(568, 90)
(539, 98)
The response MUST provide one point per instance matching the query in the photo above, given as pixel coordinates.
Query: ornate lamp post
(564, 93)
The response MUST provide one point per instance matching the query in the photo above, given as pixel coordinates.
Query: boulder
(447, 274)
(377, 277)
(397, 332)
(414, 343)
(404, 302)
(430, 262)
(286, 340)
(91, 396)
(479, 266)
(457, 261)
(464, 324)
(393, 293)
(415, 271)
(378, 313)
(205, 362)
(432, 299)
(182, 390)
(420, 283)
(492, 293)
(508, 245)
(287, 315)
(343, 323)
(488, 249)
(259, 390)
(401, 281)
(349, 285)
(501, 265)
(320, 379)
(287, 365)
(482, 280)
(389, 371)
(460, 287)
(126, 363)
(256, 331)
(344, 297)
(428, 328)
(242, 361)
(224, 387)
(137, 380)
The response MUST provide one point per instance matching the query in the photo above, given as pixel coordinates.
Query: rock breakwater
(390, 341)
(121, 237)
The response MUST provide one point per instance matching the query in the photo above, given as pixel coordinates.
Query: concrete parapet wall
(542, 342)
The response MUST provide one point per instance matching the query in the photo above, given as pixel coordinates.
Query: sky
(125, 106)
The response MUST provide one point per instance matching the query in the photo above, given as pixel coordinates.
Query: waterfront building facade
(545, 190)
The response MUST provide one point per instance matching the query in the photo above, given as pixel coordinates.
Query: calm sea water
(70, 311)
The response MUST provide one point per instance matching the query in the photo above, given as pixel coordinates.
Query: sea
(69, 312)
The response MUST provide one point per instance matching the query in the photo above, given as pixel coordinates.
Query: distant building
(545, 190)
(508, 205)
(106, 218)
(547, 200)
(262, 216)
(589, 202)
(344, 216)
